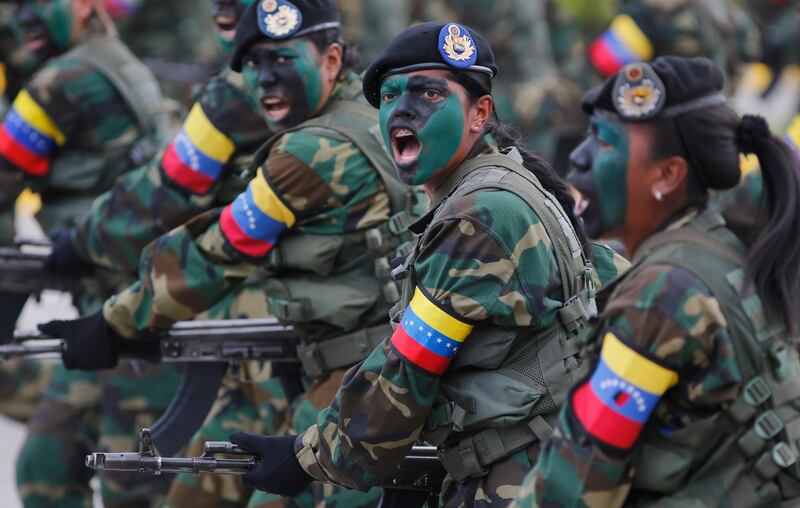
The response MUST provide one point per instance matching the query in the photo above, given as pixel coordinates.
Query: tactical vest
(504, 388)
(746, 455)
(337, 289)
(77, 175)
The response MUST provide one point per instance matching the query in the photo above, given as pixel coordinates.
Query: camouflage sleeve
(308, 181)
(608, 265)
(666, 359)
(479, 264)
(178, 184)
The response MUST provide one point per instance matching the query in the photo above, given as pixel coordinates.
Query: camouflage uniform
(17, 63)
(663, 331)
(313, 185)
(644, 29)
(483, 264)
(52, 139)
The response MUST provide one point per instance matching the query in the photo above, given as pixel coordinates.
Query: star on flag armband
(614, 405)
(195, 158)
(427, 336)
(255, 219)
(28, 136)
(623, 43)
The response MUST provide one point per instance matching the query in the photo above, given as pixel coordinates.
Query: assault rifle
(420, 472)
(208, 348)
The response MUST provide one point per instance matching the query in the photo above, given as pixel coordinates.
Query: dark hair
(478, 84)
(322, 39)
(711, 140)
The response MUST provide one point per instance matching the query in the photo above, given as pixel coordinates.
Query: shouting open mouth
(225, 25)
(35, 39)
(405, 147)
(276, 107)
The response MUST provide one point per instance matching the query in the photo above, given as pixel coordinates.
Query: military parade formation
(403, 253)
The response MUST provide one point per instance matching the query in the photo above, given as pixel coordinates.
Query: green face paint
(226, 14)
(601, 176)
(422, 122)
(57, 17)
(286, 78)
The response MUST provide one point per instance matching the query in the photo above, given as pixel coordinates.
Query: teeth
(402, 133)
(271, 101)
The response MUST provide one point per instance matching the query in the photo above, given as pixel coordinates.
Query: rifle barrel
(10, 351)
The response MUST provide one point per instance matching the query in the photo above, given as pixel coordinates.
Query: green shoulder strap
(134, 82)
(718, 258)
(517, 179)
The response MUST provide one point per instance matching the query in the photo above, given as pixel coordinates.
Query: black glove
(64, 259)
(90, 343)
(279, 472)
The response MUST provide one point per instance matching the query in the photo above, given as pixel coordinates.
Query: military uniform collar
(450, 184)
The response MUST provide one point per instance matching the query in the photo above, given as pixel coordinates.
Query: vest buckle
(768, 425)
(756, 391)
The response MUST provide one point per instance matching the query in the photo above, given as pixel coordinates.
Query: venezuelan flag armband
(29, 136)
(427, 336)
(623, 43)
(616, 402)
(254, 220)
(195, 158)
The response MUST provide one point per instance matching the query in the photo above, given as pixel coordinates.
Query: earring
(659, 197)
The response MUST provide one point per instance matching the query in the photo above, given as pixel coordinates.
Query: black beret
(667, 87)
(279, 20)
(431, 45)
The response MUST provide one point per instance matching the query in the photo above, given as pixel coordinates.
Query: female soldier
(697, 332)
(495, 288)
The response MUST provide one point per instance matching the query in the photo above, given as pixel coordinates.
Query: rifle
(419, 472)
(22, 269)
(22, 274)
(208, 349)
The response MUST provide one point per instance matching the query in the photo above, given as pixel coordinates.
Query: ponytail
(772, 263)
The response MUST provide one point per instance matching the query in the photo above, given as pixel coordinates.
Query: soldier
(644, 29)
(323, 186)
(199, 170)
(90, 113)
(692, 399)
(496, 287)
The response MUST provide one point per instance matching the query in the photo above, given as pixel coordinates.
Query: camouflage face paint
(226, 14)
(422, 121)
(46, 26)
(601, 164)
(285, 78)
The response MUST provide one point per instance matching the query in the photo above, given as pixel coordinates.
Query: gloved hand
(64, 259)
(279, 472)
(90, 343)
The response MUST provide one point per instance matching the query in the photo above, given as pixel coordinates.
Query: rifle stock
(420, 471)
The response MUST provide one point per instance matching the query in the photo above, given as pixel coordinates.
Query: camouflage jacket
(664, 336)
(485, 261)
(309, 184)
(199, 170)
(68, 107)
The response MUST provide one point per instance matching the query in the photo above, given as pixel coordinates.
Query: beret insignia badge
(456, 46)
(639, 94)
(278, 19)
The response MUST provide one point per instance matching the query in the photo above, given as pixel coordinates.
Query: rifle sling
(343, 351)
